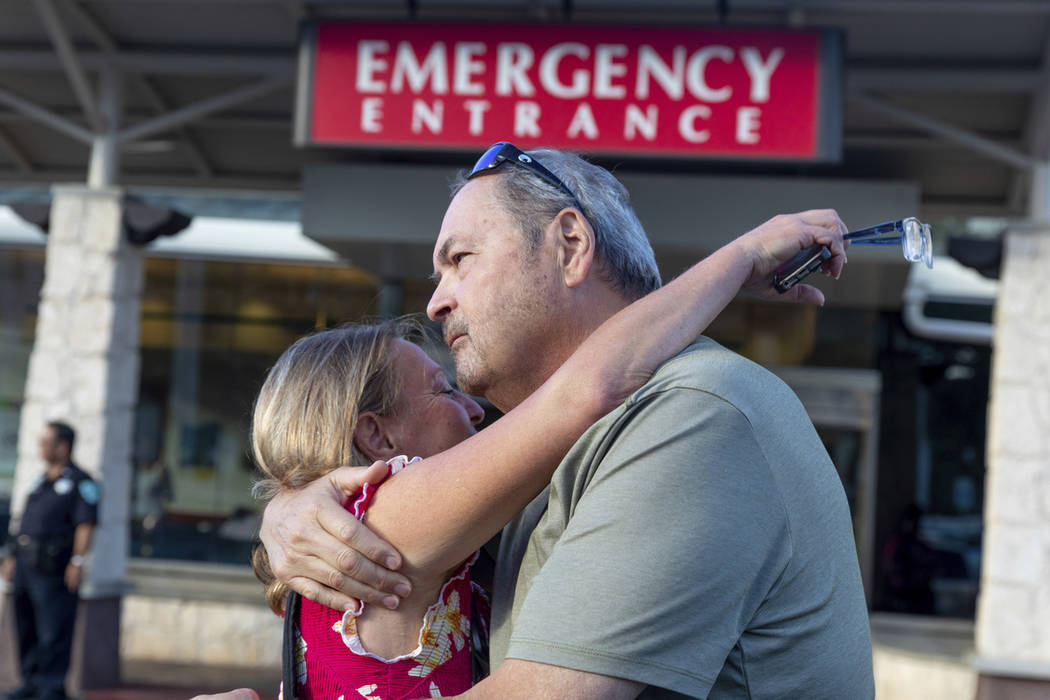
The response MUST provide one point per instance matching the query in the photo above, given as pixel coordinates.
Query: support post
(1013, 649)
(105, 152)
(1039, 197)
(84, 369)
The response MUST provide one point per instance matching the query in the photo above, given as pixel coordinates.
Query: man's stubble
(512, 344)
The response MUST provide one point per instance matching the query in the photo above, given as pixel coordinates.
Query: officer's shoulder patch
(89, 491)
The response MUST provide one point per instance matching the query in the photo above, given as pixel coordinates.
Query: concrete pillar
(84, 368)
(1013, 615)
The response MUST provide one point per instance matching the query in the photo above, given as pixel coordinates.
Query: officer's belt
(32, 543)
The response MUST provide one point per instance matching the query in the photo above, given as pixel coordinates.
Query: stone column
(84, 369)
(1013, 615)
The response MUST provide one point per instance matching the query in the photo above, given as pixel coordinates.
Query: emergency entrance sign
(725, 93)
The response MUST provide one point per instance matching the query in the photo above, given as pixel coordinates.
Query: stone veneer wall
(1013, 618)
(84, 365)
(199, 632)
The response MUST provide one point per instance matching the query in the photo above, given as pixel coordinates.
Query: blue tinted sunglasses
(502, 152)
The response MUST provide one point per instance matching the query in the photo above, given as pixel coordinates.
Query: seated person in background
(361, 393)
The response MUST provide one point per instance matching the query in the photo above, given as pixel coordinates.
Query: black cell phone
(799, 267)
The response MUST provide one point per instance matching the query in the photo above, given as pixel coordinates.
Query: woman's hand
(778, 240)
(325, 554)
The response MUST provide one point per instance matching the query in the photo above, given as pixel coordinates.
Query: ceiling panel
(251, 142)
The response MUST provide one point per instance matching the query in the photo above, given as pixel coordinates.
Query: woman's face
(432, 416)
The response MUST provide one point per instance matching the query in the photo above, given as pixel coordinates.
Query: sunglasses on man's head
(503, 152)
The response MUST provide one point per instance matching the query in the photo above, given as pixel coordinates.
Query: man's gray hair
(625, 258)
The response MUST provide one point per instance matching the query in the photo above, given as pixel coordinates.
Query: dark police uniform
(45, 609)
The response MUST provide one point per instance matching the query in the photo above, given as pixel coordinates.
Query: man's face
(495, 297)
(51, 449)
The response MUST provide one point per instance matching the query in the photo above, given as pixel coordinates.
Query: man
(47, 565)
(694, 542)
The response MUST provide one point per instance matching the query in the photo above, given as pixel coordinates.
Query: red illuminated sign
(725, 93)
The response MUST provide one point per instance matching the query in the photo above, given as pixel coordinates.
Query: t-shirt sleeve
(677, 538)
(85, 510)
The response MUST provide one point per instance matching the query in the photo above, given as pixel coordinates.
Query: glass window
(210, 330)
(931, 474)
(21, 276)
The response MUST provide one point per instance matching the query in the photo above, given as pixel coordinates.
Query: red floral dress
(333, 664)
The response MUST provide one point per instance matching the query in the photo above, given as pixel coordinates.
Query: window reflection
(210, 330)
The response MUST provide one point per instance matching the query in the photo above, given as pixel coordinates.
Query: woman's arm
(439, 511)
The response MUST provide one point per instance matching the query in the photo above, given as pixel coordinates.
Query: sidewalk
(160, 681)
(142, 692)
(156, 681)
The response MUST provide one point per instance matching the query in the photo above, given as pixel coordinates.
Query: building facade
(216, 221)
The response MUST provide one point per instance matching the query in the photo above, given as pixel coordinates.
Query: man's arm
(81, 545)
(527, 680)
(324, 553)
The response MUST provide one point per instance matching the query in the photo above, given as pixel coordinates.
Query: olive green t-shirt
(698, 540)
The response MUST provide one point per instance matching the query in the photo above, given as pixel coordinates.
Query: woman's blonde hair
(306, 412)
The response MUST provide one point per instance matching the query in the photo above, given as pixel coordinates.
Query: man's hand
(9, 569)
(321, 551)
(73, 577)
(778, 240)
(239, 694)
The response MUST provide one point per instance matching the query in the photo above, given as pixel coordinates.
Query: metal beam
(104, 164)
(105, 41)
(70, 64)
(956, 7)
(192, 147)
(45, 116)
(910, 141)
(199, 109)
(248, 122)
(1036, 134)
(90, 24)
(924, 79)
(15, 152)
(231, 120)
(160, 62)
(163, 181)
(946, 131)
(1038, 125)
(1032, 7)
(966, 208)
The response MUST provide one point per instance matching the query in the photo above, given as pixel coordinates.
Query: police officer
(47, 565)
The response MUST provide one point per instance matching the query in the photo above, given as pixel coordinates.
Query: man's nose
(440, 304)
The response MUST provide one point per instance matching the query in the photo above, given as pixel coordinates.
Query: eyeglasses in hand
(914, 237)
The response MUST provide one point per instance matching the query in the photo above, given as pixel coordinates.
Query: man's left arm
(81, 545)
(524, 680)
(85, 516)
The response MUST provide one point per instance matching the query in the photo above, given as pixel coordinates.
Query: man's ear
(372, 438)
(574, 238)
